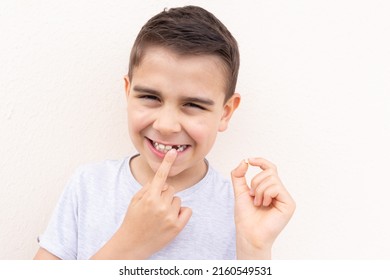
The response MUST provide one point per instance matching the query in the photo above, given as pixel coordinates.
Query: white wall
(315, 86)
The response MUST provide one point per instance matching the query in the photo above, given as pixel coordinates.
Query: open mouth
(164, 148)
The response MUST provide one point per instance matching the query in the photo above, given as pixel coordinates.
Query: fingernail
(172, 151)
(246, 161)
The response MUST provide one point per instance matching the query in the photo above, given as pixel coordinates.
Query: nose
(167, 121)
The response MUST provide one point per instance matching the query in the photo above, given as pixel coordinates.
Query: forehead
(160, 66)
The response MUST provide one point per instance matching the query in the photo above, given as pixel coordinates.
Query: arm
(261, 210)
(43, 254)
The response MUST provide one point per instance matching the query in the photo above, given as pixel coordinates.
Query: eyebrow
(146, 90)
(204, 101)
(200, 100)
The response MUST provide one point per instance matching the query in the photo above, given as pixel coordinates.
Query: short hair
(189, 30)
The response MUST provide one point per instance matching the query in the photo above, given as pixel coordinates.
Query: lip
(159, 154)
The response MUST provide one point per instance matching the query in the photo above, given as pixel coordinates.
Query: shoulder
(99, 185)
(221, 186)
(217, 178)
(98, 175)
(101, 169)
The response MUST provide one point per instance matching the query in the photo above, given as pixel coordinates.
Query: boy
(167, 202)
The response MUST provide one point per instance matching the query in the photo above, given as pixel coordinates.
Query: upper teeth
(165, 148)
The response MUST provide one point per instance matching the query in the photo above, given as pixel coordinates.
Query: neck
(143, 174)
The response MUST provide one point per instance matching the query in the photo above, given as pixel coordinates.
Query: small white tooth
(161, 146)
(168, 148)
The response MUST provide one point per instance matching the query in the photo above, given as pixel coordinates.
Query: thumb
(238, 178)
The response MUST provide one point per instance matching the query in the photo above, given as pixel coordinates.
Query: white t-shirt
(95, 200)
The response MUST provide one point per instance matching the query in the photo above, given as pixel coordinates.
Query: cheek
(137, 119)
(203, 131)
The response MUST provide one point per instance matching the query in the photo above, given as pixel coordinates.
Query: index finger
(262, 163)
(162, 173)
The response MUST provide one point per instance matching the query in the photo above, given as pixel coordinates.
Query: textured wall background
(315, 82)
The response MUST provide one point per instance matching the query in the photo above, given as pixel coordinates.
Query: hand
(154, 217)
(261, 210)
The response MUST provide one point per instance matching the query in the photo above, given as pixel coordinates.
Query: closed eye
(149, 97)
(194, 105)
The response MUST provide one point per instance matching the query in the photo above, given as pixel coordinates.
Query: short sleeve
(60, 237)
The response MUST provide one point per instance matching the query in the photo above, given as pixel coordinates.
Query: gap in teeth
(165, 148)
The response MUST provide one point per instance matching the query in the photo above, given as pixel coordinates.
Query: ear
(127, 85)
(230, 106)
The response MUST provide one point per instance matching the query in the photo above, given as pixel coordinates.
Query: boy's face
(177, 101)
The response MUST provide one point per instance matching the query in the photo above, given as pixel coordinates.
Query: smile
(165, 148)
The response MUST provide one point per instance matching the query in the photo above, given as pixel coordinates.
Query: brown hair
(189, 30)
